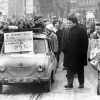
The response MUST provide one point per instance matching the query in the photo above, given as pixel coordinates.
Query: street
(58, 92)
(32, 34)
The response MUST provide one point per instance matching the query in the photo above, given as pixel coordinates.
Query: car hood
(23, 60)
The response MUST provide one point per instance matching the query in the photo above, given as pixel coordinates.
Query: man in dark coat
(74, 47)
(39, 26)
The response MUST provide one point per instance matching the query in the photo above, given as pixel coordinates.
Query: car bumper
(24, 80)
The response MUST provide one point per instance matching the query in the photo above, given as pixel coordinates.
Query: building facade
(3, 7)
(16, 8)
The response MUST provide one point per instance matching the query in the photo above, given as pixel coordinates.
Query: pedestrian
(6, 28)
(96, 33)
(58, 32)
(39, 26)
(74, 47)
(21, 25)
(92, 26)
(53, 38)
(54, 18)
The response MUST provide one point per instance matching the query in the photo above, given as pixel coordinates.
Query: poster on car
(18, 42)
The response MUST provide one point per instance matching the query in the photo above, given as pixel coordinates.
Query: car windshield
(39, 45)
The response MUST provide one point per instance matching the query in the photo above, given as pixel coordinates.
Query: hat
(54, 17)
(37, 17)
(49, 27)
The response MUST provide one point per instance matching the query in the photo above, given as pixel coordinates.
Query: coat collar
(74, 27)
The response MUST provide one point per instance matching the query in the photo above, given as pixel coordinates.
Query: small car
(38, 65)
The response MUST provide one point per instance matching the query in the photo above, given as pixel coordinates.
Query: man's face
(55, 18)
(70, 24)
(97, 29)
(57, 25)
(5, 26)
(39, 21)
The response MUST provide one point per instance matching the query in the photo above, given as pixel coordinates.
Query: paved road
(58, 91)
(88, 93)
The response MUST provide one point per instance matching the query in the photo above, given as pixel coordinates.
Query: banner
(18, 41)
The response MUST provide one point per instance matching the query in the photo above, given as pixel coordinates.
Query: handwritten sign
(92, 43)
(18, 41)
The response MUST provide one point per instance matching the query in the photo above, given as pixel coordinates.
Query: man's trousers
(71, 73)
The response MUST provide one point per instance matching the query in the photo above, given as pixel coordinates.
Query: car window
(39, 45)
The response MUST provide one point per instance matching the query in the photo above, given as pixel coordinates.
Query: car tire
(48, 86)
(98, 90)
(1, 88)
(52, 77)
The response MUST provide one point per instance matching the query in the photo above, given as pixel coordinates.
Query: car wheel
(98, 90)
(1, 88)
(48, 86)
(52, 76)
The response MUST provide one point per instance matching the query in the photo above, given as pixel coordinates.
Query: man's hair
(73, 19)
(55, 21)
(54, 17)
(37, 17)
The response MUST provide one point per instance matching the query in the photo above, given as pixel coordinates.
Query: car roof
(36, 35)
(40, 35)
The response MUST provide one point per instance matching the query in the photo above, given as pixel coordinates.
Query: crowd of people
(68, 36)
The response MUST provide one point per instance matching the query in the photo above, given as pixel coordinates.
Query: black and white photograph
(49, 49)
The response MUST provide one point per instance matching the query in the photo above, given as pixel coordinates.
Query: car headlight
(40, 68)
(2, 69)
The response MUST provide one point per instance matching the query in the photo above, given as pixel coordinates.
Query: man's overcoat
(74, 47)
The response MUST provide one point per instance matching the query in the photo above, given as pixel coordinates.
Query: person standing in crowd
(96, 33)
(75, 47)
(38, 23)
(54, 18)
(21, 25)
(58, 32)
(53, 38)
(6, 28)
(92, 26)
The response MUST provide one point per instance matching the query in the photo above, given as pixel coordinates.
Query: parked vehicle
(26, 60)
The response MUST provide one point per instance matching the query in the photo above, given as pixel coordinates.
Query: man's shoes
(81, 86)
(68, 86)
(66, 75)
(75, 75)
(64, 68)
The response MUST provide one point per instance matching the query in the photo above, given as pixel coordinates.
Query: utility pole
(25, 9)
(98, 11)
